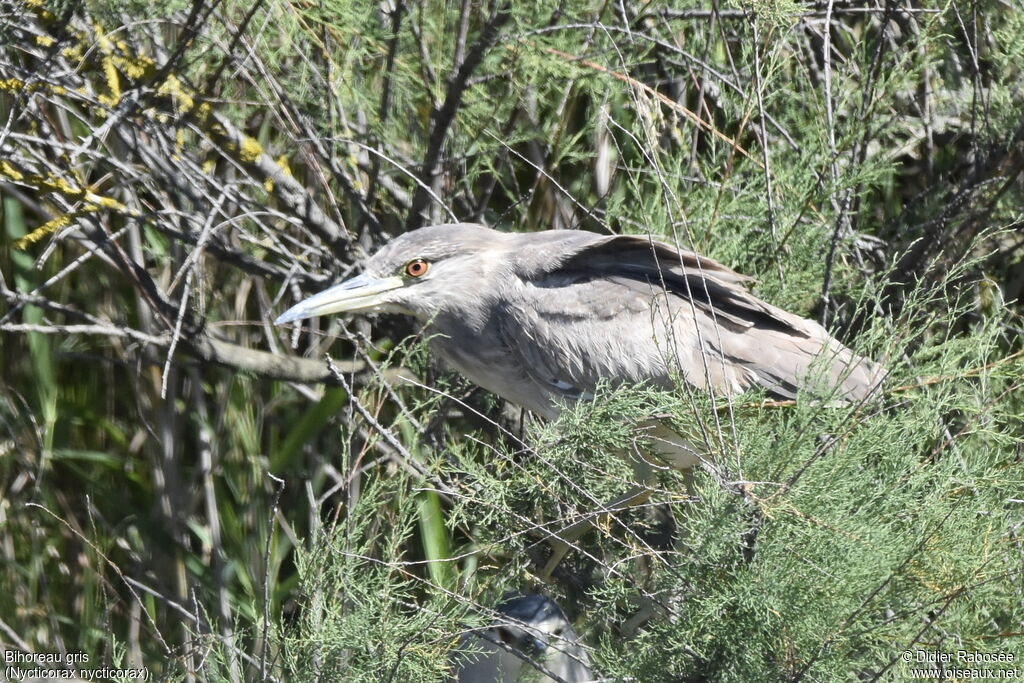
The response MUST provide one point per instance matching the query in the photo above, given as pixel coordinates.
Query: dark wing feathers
(586, 303)
(708, 284)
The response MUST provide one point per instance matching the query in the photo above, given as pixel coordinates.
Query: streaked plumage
(541, 318)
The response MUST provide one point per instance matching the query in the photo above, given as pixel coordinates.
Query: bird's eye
(417, 268)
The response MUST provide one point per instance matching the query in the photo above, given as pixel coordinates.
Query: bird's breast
(481, 357)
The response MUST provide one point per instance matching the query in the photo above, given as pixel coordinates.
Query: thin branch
(441, 119)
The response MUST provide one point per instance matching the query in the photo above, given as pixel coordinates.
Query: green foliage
(201, 517)
(364, 619)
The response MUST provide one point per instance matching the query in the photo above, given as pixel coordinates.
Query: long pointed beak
(361, 293)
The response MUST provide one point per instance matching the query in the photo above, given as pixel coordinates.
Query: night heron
(542, 318)
(529, 638)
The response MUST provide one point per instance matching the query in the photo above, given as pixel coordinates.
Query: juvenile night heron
(541, 318)
(530, 638)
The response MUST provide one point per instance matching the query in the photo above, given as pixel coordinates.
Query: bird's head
(419, 273)
(532, 623)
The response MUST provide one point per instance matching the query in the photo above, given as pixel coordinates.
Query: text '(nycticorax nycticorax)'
(542, 318)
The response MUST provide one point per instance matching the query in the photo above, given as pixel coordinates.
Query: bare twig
(441, 118)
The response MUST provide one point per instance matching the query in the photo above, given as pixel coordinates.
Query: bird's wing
(711, 286)
(627, 309)
(569, 335)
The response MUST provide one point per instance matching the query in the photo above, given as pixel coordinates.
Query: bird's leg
(667, 449)
(563, 541)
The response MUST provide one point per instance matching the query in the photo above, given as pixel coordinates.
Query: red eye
(417, 268)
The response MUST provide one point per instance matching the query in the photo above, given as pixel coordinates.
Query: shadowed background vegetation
(187, 488)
